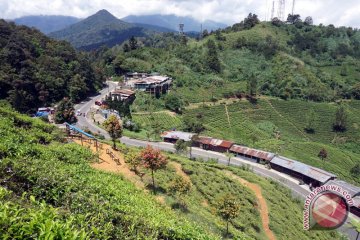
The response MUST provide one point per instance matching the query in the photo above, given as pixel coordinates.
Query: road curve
(290, 183)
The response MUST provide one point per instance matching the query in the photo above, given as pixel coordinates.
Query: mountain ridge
(172, 21)
(103, 28)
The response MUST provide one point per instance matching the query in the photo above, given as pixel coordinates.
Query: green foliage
(228, 209)
(37, 71)
(340, 119)
(113, 127)
(212, 59)
(181, 146)
(174, 102)
(65, 112)
(73, 200)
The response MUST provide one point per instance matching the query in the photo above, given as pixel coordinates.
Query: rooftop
(123, 91)
(215, 142)
(252, 152)
(178, 135)
(302, 168)
(352, 189)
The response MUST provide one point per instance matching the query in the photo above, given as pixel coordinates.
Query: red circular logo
(329, 210)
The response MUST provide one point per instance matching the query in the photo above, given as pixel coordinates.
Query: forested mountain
(101, 29)
(47, 23)
(319, 63)
(173, 21)
(36, 70)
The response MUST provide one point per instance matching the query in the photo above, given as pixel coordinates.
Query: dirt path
(264, 212)
(227, 115)
(283, 117)
(179, 170)
(107, 164)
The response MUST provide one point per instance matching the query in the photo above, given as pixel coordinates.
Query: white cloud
(227, 11)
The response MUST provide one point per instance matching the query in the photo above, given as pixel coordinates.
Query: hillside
(46, 23)
(270, 62)
(48, 188)
(173, 21)
(103, 29)
(36, 71)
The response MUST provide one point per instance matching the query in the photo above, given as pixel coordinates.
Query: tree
(229, 156)
(126, 47)
(308, 21)
(310, 121)
(133, 43)
(174, 102)
(276, 22)
(252, 85)
(340, 119)
(250, 21)
(323, 154)
(228, 208)
(77, 88)
(133, 159)
(65, 112)
(180, 187)
(153, 160)
(212, 58)
(355, 171)
(293, 18)
(114, 128)
(205, 33)
(181, 146)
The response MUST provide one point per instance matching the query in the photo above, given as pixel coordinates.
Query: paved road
(292, 184)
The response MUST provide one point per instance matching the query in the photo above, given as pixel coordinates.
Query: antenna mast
(293, 7)
(181, 29)
(272, 10)
(281, 10)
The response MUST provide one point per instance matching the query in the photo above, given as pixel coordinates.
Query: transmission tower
(281, 10)
(181, 29)
(293, 8)
(272, 10)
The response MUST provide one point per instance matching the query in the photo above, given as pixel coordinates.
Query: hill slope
(173, 21)
(101, 29)
(36, 71)
(47, 24)
(79, 202)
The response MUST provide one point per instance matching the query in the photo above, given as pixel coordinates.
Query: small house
(308, 174)
(173, 136)
(213, 144)
(251, 154)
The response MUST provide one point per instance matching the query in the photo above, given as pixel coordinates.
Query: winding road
(299, 191)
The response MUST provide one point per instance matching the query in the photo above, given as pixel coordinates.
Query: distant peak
(104, 12)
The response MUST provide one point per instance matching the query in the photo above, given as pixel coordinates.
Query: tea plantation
(49, 190)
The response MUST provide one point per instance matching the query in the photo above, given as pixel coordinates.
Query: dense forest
(292, 59)
(37, 71)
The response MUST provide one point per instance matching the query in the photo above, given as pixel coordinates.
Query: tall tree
(133, 159)
(133, 43)
(252, 85)
(181, 146)
(114, 128)
(323, 154)
(250, 21)
(310, 121)
(153, 160)
(212, 58)
(340, 119)
(179, 187)
(65, 112)
(228, 208)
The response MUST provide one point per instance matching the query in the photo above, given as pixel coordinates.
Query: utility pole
(272, 10)
(293, 7)
(181, 29)
(281, 10)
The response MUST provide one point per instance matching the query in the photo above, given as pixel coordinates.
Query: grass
(278, 126)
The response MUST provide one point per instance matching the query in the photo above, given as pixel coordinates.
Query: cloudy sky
(337, 12)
